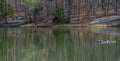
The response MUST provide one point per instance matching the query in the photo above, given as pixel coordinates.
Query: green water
(59, 44)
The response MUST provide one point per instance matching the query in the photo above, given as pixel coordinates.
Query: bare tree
(69, 10)
(79, 7)
(116, 6)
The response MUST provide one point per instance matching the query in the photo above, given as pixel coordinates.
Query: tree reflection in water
(57, 44)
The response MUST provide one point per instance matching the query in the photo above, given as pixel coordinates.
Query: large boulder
(110, 21)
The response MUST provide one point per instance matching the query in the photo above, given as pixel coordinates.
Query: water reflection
(109, 30)
(56, 44)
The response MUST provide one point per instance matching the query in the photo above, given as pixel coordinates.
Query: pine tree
(58, 16)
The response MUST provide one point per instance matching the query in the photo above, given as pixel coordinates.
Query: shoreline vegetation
(110, 21)
(54, 25)
(40, 24)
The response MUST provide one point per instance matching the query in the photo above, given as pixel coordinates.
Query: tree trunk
(35, 11)
(103, 6)
(79, 7)
(116, 8)
(108, 7)
(87, 7)
(30, 18)
(0, 18)
(63, 7)
(69, 10)
(56, 4)
(5, 17)
(45, 8)
(94, 7)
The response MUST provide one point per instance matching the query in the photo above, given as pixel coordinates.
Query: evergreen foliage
(5, 9)
(86, 17)
(58, 16)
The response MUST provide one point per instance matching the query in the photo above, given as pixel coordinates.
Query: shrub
(86, 17)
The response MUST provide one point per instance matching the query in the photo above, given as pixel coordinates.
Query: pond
(59, 44)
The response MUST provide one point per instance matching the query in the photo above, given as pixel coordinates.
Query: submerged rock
(105, 42)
